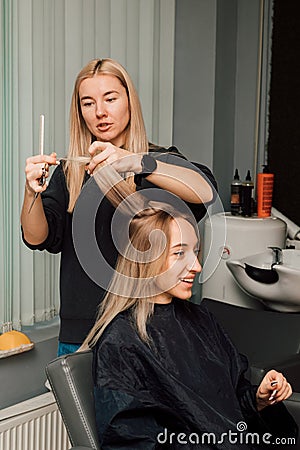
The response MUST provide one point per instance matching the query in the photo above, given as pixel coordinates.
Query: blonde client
(166, 374)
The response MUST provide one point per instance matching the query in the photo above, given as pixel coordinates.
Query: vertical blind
(44, 44)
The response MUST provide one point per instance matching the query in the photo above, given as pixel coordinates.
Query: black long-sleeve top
(80, 295)
(189, 379)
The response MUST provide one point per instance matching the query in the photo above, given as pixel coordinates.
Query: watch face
(148, 165)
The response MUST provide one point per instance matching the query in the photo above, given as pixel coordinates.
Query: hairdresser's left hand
(106, 153)
(274, 388)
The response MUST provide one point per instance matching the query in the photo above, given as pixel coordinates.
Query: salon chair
(70, 377)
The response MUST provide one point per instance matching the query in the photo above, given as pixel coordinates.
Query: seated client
(166, 374)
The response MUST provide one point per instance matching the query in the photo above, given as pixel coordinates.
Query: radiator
(35, 424)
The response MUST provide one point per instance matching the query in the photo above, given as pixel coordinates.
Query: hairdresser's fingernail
(88, 171)
(57, 162)
(273, 383)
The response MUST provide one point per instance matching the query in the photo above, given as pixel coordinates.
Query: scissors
(42, 179)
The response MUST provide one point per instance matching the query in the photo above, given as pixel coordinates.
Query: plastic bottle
(236, 194)
(265, 183)
(247, 187)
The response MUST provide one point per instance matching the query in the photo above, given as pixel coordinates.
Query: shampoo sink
(272, 277)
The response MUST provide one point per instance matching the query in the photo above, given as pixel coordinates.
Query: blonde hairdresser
(106, 127)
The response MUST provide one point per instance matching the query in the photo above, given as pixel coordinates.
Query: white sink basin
(276, 285)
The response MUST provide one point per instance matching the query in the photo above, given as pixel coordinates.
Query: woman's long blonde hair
(135, 275)
(80, 136)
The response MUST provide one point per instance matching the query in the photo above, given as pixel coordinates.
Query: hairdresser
(106, 127)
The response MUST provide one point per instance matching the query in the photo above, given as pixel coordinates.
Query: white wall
(215, 90)
(194, 82)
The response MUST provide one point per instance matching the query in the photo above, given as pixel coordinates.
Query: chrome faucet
(277, 256)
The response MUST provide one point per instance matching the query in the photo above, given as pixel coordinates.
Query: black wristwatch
(149, 165)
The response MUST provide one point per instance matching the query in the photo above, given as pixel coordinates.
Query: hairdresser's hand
(274, 388)
(34, 171)
(106, 153)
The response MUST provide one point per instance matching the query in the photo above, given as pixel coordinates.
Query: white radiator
(35, 424)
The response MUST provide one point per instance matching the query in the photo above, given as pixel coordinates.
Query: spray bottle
(247, 196)
(265, 183)
(236, 194)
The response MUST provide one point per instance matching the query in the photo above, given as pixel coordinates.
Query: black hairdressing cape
(182, 391)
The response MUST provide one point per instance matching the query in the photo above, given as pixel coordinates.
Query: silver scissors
(42, 179)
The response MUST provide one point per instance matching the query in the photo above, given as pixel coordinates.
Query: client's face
(182, 263)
